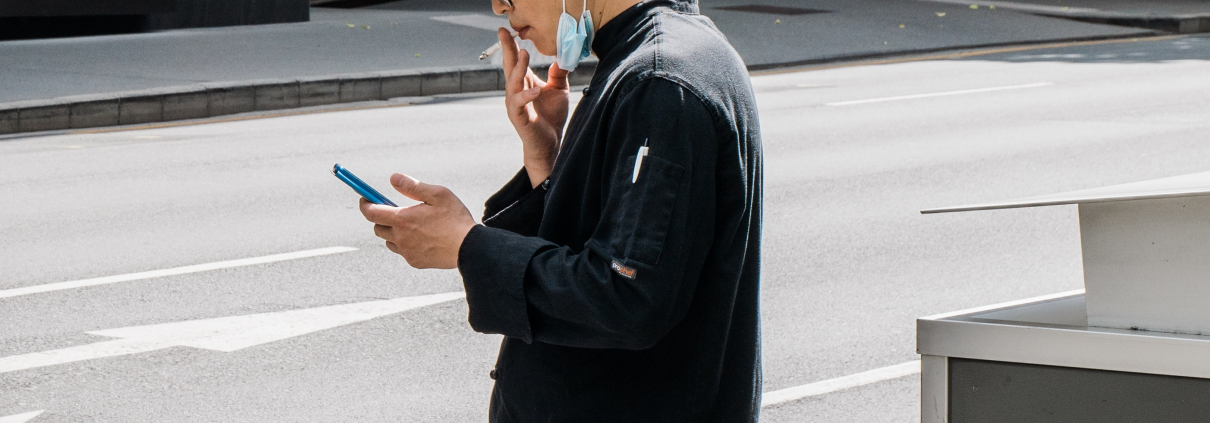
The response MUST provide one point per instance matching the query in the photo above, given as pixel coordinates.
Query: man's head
(538, 20)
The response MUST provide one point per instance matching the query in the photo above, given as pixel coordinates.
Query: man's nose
(499, 7)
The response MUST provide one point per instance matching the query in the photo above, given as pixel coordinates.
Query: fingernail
(533, 91)
(397, 180)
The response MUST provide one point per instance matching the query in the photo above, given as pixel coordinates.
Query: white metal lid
(1177, 186)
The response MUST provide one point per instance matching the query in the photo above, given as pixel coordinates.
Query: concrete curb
(225, 98)
(1177, 24)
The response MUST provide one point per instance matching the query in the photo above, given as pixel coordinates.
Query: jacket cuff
(518, 207)
(493, 263)
(512, 191)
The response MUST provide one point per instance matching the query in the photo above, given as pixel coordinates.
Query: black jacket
(638, 301)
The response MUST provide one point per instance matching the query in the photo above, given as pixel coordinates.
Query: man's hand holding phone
(427, 235)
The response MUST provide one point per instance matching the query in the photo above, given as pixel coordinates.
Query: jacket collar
(619, 29)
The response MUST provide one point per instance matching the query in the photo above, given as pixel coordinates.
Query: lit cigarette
(490, 51)
(494, 48)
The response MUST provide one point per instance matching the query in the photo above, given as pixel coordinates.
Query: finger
(556, 77)
(520, 105)
(533, 79)
(376, 213)
(382, 231)
(522, 99)
(419, 191)
(516, 81)
(520, 93)
(509, 46)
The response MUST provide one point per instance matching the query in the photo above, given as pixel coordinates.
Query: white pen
(493, 49)
(638, 161)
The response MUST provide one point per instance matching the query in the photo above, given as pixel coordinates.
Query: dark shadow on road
(35, 27)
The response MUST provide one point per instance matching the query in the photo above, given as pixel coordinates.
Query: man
(622, 263)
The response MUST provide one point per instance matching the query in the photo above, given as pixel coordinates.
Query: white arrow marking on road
(21, 418)
(944, 94)
(840, 383)
(16, 292)
(225, 334)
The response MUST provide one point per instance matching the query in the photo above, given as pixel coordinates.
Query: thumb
(416, 190)
(556, 77)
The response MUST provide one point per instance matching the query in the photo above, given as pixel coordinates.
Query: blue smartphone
(361, 187)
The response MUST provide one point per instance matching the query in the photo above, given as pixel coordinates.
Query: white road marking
(59, 286)
(840, 383)
(224, 334)
(1022, 6)
(474, 20)
(21, 418)
(943, 94)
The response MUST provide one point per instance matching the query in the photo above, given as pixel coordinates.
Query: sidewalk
(1177, 16)
(430, 47)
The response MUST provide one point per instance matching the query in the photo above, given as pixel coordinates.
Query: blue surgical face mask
(574, 39)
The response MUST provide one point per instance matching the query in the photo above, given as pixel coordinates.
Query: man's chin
(548, 50)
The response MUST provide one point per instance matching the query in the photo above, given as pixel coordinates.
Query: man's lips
(521, 32)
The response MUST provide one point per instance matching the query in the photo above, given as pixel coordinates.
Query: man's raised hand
(537, 109)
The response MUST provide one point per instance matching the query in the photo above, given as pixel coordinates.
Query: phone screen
(367, 192)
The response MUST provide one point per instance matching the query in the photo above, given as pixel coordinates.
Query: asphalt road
(428, 34)
(852, 154)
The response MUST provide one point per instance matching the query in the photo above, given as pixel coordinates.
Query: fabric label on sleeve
(623, 270)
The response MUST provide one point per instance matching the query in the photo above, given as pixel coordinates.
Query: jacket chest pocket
(641, 211)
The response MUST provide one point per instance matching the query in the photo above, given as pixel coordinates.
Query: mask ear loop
(584, 9)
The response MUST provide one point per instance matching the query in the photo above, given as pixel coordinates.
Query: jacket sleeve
(633, 280)
(517, 207)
